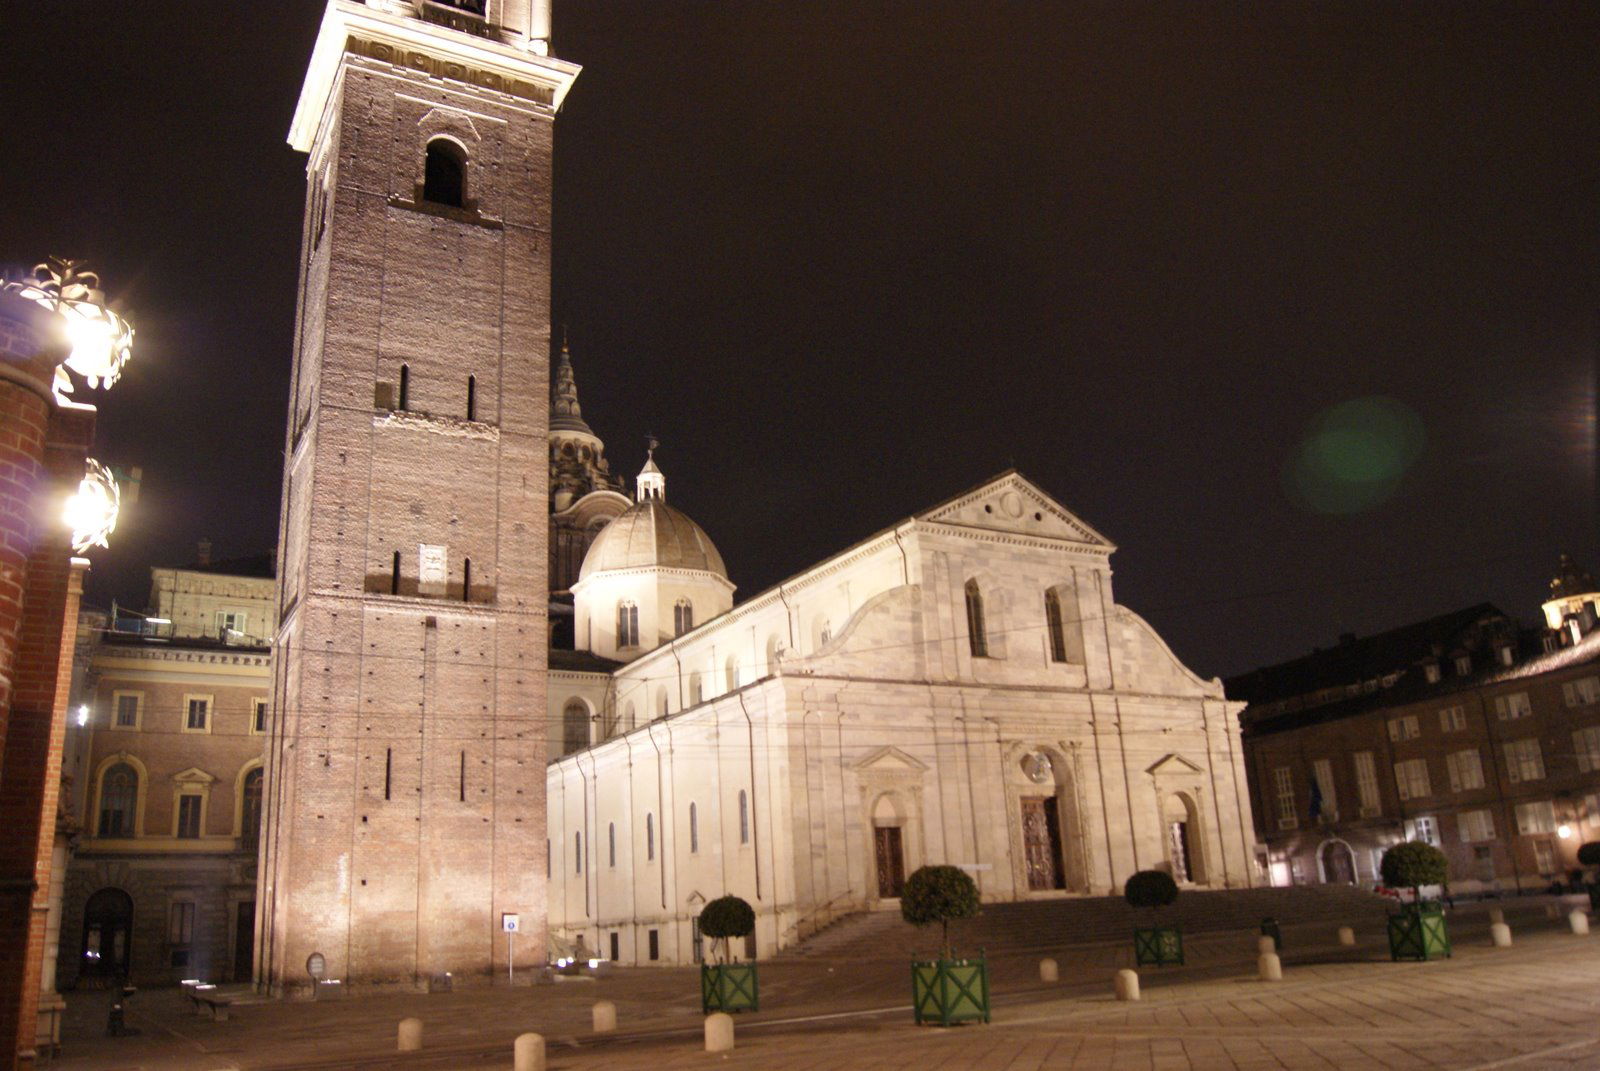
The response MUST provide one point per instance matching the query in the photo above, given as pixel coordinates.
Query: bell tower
(405, 811)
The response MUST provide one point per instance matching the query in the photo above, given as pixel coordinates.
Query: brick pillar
(42, 450)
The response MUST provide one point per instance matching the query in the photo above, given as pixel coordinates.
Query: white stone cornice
(350, 28)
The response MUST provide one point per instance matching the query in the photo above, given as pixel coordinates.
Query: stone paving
(1533, 1007)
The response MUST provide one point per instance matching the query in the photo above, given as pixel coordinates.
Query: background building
(1464, 731)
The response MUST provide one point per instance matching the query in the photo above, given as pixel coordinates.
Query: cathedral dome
(652, 534)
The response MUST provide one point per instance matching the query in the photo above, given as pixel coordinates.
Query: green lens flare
(1354, 456)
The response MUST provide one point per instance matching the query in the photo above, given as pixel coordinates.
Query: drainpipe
(755, 829)
(660, 810)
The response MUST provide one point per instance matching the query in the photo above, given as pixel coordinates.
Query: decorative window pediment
(1174, 766)
(194, 775)
(890, 759)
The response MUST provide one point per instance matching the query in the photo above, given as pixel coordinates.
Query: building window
(126, 715)
(1367, 783)
(1513, 706)
(649, 838)
(404, 400)
(611, 846)
(744, 817)
(1466, 770)
(696, 691)
(627, 625)
(258, 716)
(1463, 665)
(574, 727)
(547, 871)
(1425, 829)
(682, 617)
(197, 718)
(180, 931)
(655, 944)
(189, 806)
(119, 795)
(1283, 780)
(1052, 621)
(230, 622)
(472, 397)
(1322, 777)
(1536, 817)
(694, 828)
(394, 575)
(731, 673)
(577, 852)
(1411, 778)
(466, 579)
(1405, 728)
(1475, 825)
(977, 634)
(1431, 672)
(1586, 744)
(444, 174)
(1581, 692)
(250, 812)
(825, 633)
(1452, 719)
(1524, 760)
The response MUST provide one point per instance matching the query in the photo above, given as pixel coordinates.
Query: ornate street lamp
(101, 340)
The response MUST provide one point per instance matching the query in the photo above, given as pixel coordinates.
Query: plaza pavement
(1532, 1007)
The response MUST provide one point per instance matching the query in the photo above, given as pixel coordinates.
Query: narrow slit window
(466, 579)
(403, 401)
(388, 771)
(611, 844)
(444, 174)
(472, 397)
(394, 575)
(977, 636)
(694, 828)
(1058, 634)
(577, 852)
(463, 788)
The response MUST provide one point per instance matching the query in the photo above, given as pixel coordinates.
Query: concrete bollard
(410, 1038)
(605, 1017)
(1496, 915)
(1127, 985)
(1270, 967)
(527, 1053)
(1500, 933)
(1265, 945)
(1579, 922)
(1347, 936)
(1048, 971)
(719, 1032)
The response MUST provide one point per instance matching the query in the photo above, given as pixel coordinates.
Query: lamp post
(55, 504)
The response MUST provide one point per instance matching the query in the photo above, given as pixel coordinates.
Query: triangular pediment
(194, 775)
(1174, 765)
(695, 897)
(892, 759)
(1015, 504)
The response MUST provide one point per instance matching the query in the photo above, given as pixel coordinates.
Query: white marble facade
(810, 746)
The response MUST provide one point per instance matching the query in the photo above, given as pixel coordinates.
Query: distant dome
(652, 533)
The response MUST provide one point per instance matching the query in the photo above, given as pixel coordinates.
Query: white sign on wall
(508, 923)
(433, 563)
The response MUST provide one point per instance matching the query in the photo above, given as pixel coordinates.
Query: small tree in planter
(1589, 855)
(1417, 931)
(945, 990)
(1154, 945)
(727, 986)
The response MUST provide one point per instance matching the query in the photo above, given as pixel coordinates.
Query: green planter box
(729, 987)
(1159, 946)
(947, 991)
(1418, 932)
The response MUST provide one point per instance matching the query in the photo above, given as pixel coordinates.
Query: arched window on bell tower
(444, 174)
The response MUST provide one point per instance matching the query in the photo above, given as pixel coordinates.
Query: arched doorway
(888, 845)
(1184, 843)
(1338, 863)
(107, 936)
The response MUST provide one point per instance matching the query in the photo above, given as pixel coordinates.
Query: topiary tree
(1412, 865)
(1150, 888)
(727, 917)
(939, 894)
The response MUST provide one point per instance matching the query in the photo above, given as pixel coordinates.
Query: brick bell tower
(405, 810)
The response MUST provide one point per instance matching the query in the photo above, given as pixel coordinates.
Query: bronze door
(1338, 864)
(891, 860)
(1041, 842)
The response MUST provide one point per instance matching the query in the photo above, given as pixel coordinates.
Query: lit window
(1524, 760)
(1513, 706)
(1411, 778)
(682, 617)
(1367, 782)
(1424, 829)
(127, 716)
(1452, 719)
(1475, 825)
(1536, 817)
(119, 793)
(1586, 743)
(1581, 692)
(1405, 728)
(627, 625)
(1283, 781)
(1466, 770)
(197, 717)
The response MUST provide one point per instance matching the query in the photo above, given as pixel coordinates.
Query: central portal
(891, 861)
(1041, 840)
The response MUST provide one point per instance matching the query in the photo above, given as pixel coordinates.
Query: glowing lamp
(101, 340)
(1564, 831)
(91, 511)
(83, 715)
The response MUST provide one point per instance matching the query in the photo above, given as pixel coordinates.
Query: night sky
(1294, 302)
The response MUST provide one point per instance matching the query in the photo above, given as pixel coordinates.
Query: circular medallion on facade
(1038, 767)
(1011, 502)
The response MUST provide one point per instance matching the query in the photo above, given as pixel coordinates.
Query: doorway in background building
(891, 860)
(107, 938)
(244, 941)
(1041, 843)
(1338, 865)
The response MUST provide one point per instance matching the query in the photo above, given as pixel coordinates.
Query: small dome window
(444, 174)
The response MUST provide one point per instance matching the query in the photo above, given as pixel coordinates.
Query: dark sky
(847, 259)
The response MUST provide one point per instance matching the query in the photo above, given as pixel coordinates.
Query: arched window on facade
(574, 727)
(250, 812)
(744, 817)
(627, 625)
(977, 634)
(661, 704)
(119, 795)
(444, 174)
(1066, 630)
(731, 671)
(694, 828)
(1052, 620)
(682, 617)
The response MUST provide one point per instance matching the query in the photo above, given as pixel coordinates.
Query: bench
(206, 997)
